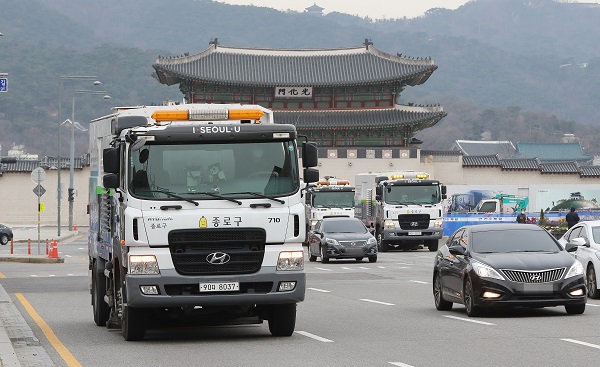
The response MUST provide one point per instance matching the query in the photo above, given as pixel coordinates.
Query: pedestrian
(572, 218)
(522, 217)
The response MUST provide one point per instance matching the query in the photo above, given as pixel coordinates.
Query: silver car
(587, 236)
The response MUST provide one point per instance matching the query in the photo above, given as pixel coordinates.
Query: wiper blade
(217, 196)
(168, 193)
(255, 194)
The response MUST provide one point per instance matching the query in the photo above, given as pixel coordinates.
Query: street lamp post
(58, 164)
(72, 151)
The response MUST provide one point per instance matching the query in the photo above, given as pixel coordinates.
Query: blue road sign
(3, 84)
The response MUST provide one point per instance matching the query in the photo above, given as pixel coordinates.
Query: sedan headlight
(290, 261)
(485, 271)
(143, 264)
(332, 242)
(576, 269)
(389, 224)
(371, 241)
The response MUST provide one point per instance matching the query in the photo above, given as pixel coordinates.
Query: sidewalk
(22, 234)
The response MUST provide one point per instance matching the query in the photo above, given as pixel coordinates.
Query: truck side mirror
(378, 190)
(110, 181)
(310, 157)
(444, 196)
(111, 161)
(311, 175)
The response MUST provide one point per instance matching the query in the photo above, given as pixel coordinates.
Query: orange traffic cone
(53, 254)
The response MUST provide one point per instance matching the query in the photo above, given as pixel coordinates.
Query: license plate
(220, 287)
(414, 233)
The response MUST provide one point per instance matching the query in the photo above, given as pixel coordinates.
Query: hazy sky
(376, 9)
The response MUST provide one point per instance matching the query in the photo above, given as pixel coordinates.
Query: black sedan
(341, 238)
(5, 234)
(507, 265)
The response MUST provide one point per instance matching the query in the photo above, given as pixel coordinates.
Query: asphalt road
(355, 314)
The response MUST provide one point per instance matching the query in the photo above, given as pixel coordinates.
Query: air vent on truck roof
(125, 122)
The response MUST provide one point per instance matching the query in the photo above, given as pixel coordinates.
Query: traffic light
(8, 159)
(71, 199)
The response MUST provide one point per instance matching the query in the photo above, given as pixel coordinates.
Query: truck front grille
(238, 251)
(413, 221)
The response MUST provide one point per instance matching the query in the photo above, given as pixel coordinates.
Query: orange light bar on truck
(207, 115)
(334, 183)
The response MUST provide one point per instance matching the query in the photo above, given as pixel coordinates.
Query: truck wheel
(133, 323)
(101, 308)
(282, 320)
(382, 245)
(432, 245)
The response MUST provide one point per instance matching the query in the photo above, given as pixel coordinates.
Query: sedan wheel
(4, 239)
(592, 283)
(440, 303)
(472, 310)
(575, 309)
(382, 246)
(324, 258)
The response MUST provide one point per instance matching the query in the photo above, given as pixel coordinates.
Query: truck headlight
(437, 225)
(290, 261)
(143, 264)
(389, 224)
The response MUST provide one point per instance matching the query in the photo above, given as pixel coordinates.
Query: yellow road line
(52, 338)
(2, 276)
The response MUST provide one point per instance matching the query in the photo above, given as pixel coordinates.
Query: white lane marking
(381, 267)
(68, 256)
(362, 267)
(582, 343)
(345, 268)
(82, 248)
(469, 320)
(319, 290)
(42, 276)
(323, 269)
(400, 364)
(418, 281)
(403, 267)
(404, 263)
(378, 302)
(313, 336)
(592, 304)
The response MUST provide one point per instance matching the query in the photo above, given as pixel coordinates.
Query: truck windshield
(333, 199)
(210, 171)
(421, 194)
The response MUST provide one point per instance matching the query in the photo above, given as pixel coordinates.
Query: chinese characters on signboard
(293, 92)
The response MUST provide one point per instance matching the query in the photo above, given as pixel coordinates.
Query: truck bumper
(176, 290)
(399, 235)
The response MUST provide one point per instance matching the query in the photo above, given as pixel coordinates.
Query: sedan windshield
(344, 226)
(514, 240)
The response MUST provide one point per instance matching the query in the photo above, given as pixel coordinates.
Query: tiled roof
(560, 167)
(425, 152)
(28, 165)
(363, 65)
(481, 161)
(485, 148)
(589, 171)
(552, 152)
(520, 164)
(350, 119)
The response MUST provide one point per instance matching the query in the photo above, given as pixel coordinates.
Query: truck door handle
(257, 205)
(167, 207)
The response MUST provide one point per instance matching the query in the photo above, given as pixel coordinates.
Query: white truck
(196, 214)
(404, 208)
(328, 198)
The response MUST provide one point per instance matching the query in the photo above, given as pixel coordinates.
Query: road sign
(41, 208)
(39, 190)
(3, 84)
(38, 175)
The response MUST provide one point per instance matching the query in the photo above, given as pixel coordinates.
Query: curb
(37, 259)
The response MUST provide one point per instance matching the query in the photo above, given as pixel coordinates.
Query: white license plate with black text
(220, 287)
(414, 233)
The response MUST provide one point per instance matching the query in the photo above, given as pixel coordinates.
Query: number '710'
(274, 220)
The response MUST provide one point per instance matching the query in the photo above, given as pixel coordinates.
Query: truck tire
(133, 323)
(382, 246)
(282, 319)
(100, 308)
(432, 245)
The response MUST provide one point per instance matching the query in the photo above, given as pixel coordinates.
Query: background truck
(404, 208)
(196, 214)
(502, 203)
(329, 197)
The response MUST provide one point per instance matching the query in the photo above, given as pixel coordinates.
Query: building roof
(502, 149)
(314, 8)
(590, 171)
(560, 167)
(481, 161)
(47, 163)
(520, 164)
(353, 66)
(552, 152)
(361, 118)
